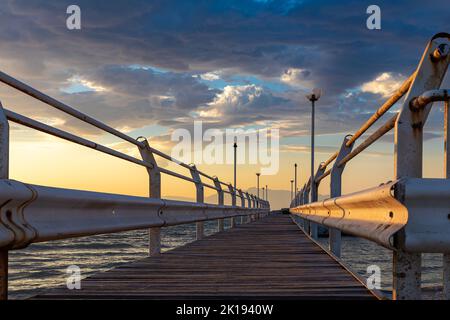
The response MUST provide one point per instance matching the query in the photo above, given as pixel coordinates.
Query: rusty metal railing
(31, 213)
(408, 215)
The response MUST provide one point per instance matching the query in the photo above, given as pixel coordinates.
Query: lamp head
(315, 95)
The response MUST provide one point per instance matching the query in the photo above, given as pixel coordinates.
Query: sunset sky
(150, 67)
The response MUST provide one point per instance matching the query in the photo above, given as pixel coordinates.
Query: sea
(42, 266)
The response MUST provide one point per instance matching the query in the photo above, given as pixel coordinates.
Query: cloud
(242, 105)
(301, 44)
(297, 77)
(78, 84)
(210, 76)
(384, 84)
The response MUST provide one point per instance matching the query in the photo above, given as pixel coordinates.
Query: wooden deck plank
(269, 258)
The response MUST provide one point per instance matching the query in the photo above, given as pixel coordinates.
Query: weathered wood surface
(269, 258)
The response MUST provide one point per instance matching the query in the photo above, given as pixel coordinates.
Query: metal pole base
(220, 225)
(3, 274)
(406, 275)
(446, 274)
(335, 241)
(200, 230)
(154, 241)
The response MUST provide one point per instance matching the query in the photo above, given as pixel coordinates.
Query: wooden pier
(268, 258)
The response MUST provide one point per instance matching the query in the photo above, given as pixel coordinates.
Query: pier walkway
(267, 258)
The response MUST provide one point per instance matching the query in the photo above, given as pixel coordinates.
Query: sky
(149, 68)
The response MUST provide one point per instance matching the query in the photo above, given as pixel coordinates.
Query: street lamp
(235, 147)
(295, 178)
(267, 193)
(313, 97)
(292, 182)
(257, 183)
(263, 193)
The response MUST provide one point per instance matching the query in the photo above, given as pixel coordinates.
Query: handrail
(108, 213)
(408, 215)
(33, 124)
(390, 124)
(28, 90)
(400, 92)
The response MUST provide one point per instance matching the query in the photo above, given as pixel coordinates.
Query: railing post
(300, 199)
(408, 156)
(255, 206)
(154, 192)
(241, 195)
(314, 197)
(220, 201)
(233, 202)
(4, 174)
(249, 205)
(200, 199)
(252, 205)
(304, 200)
(336, 191)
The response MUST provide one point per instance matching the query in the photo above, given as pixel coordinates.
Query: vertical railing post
(249, 205)
(408, 157)
(314, 197)
(304, 200)
(252, 201)
(233, 202)
(154, 192)
(200, 232)
(220, 202)
(300, 202)
(4, 174)
(241, 195)
(255, 206)
(336, 191)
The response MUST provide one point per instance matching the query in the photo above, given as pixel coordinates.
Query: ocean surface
(44, 265)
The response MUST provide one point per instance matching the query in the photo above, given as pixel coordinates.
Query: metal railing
(410, 215)
(31, 213)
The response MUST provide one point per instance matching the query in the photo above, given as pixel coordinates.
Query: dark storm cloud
(327, 40)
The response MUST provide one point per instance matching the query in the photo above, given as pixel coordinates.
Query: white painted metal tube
(365, 214)
(417, 206)
(429, 97)
(37, 213)
(400, 92)
(30, 123)
(16, 84)
(380, 112)
(388, 126)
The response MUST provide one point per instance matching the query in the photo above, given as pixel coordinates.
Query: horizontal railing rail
(31, 213)
(38, 213)
(409, 215)
(20, 119)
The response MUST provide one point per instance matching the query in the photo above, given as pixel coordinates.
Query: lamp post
(257, 183)
(235, 157)
(295, 178)
(292, 183)
(267, 193)
(313, 97)
(263, 193)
